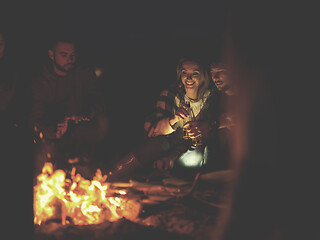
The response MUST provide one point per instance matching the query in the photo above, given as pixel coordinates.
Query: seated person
(67, 115)
(222, 82)
(219, 153)
(183, 114)
(182, 121)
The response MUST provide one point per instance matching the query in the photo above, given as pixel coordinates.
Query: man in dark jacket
(67, 116)
(220, 150)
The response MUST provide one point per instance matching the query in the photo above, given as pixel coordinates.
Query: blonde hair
(204, 77)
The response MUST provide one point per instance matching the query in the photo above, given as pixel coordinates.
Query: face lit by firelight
(219, 77)
(190, 76)
(63, 57)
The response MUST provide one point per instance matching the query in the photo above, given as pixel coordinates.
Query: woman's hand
(161, 128)
(195, 129)
(182, 112)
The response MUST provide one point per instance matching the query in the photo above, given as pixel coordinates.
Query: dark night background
(136, 43)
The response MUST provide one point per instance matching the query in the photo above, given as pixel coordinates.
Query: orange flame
(82, 200)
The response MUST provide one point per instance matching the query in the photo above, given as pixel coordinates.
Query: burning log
(67, 205)
(119, 230)
(83, 201)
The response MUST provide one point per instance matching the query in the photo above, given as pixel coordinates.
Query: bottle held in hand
(197, 140)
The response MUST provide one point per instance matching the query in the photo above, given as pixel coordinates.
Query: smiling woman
(183, 101)
(183, 117)
(183, 120)
(193, 76)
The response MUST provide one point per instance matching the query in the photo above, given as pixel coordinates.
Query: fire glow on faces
(190, 76)
(220, 78)
(63, 57)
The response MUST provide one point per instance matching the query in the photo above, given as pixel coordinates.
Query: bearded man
(68, 116)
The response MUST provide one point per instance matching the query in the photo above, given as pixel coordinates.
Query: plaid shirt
(171, 99)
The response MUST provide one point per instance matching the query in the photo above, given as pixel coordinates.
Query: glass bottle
(195, 141)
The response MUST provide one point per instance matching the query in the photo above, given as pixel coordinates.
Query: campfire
(68, 205)
(79, 201)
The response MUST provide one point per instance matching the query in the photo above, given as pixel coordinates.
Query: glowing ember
(80, 200)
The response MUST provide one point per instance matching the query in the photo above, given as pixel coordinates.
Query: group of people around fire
(67, 116)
